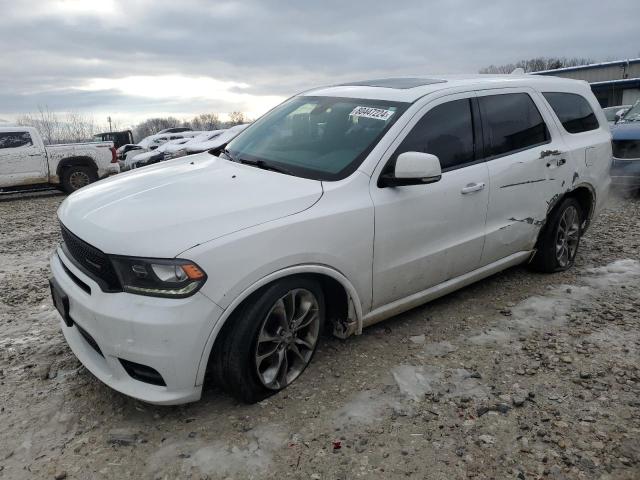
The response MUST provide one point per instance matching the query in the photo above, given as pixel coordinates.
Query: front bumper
(168, 335)
(625, 173)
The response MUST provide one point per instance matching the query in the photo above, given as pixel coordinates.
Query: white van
(339, 208)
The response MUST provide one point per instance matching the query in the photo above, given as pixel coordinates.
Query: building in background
(613, 83)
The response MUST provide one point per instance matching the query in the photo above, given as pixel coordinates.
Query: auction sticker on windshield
(370, 112)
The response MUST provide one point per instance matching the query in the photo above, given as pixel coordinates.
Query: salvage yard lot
(519, 376)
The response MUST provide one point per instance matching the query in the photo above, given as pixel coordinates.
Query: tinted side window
(15, 139)
(513, 123)
(574, 111)
(445, 131)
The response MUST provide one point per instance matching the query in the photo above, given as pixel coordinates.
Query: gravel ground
(521, 376)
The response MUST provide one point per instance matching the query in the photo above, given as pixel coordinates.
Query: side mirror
(413, 168)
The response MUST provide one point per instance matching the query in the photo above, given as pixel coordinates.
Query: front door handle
(472, 187)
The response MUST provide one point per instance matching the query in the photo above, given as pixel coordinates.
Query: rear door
(427, 234)
(22, 162)
(526, 157)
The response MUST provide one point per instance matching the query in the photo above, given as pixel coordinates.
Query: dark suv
(625, 170)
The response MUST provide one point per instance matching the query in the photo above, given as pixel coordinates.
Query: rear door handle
(472, 187)
(550, 153)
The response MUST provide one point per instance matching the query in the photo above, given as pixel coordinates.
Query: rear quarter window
(573, 111)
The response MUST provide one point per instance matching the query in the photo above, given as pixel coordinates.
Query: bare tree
(205, 121)
(152, 126)
(60, 128)
(538, 64)
(236, 118)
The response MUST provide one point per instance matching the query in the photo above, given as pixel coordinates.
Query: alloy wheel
(568, 236)
(287, 338)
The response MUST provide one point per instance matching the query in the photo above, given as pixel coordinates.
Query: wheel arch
(334, 284)
(585, 194)
(77, 161)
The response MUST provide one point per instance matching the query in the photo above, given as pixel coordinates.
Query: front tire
(76, 177)
(271, 340)
(559, 241)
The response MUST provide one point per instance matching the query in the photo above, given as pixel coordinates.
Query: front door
(21, 162)
(427, 234)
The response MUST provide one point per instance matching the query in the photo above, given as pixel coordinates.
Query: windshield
(633, 114)
(324, 138)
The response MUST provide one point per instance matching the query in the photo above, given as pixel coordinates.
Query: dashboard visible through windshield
(323, 138)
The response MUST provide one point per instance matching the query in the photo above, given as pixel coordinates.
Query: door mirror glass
(413, 168)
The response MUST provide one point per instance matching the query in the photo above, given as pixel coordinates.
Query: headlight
(172, 278)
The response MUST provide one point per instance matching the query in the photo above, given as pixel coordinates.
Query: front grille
(91, 261)
(626, 149)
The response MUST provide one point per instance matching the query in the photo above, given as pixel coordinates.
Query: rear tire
(271, 339)
(76, 177)
(560, 238)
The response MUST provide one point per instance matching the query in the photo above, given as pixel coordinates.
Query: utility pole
(109, 120)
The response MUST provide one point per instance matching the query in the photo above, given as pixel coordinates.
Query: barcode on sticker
(370, 112)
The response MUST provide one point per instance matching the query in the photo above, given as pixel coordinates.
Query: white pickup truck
(26, 162)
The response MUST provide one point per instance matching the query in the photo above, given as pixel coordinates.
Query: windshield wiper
(265, 166)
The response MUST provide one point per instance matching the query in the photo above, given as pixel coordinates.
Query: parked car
(176, 150)
(233, 265)
(625, 170)
(147, 144)
(25, 161)
(125, 149)
(118, 138)
(185, 146)
(614, 114)
(213, 141)
(175, 130)
(153, 156)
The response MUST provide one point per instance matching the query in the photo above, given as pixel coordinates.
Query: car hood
(626, 131)
(162, 210)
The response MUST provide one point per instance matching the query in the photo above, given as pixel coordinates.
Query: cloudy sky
(132, 59)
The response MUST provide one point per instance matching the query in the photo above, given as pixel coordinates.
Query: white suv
(341, 207)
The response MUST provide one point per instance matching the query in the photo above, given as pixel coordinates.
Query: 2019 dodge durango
(341, 207)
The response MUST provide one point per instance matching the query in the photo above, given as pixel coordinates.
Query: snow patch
(551, 310)
(365, 408)
(491, 336)
(417, 382)
(439, 349)
(620, 272)
(252, 459)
